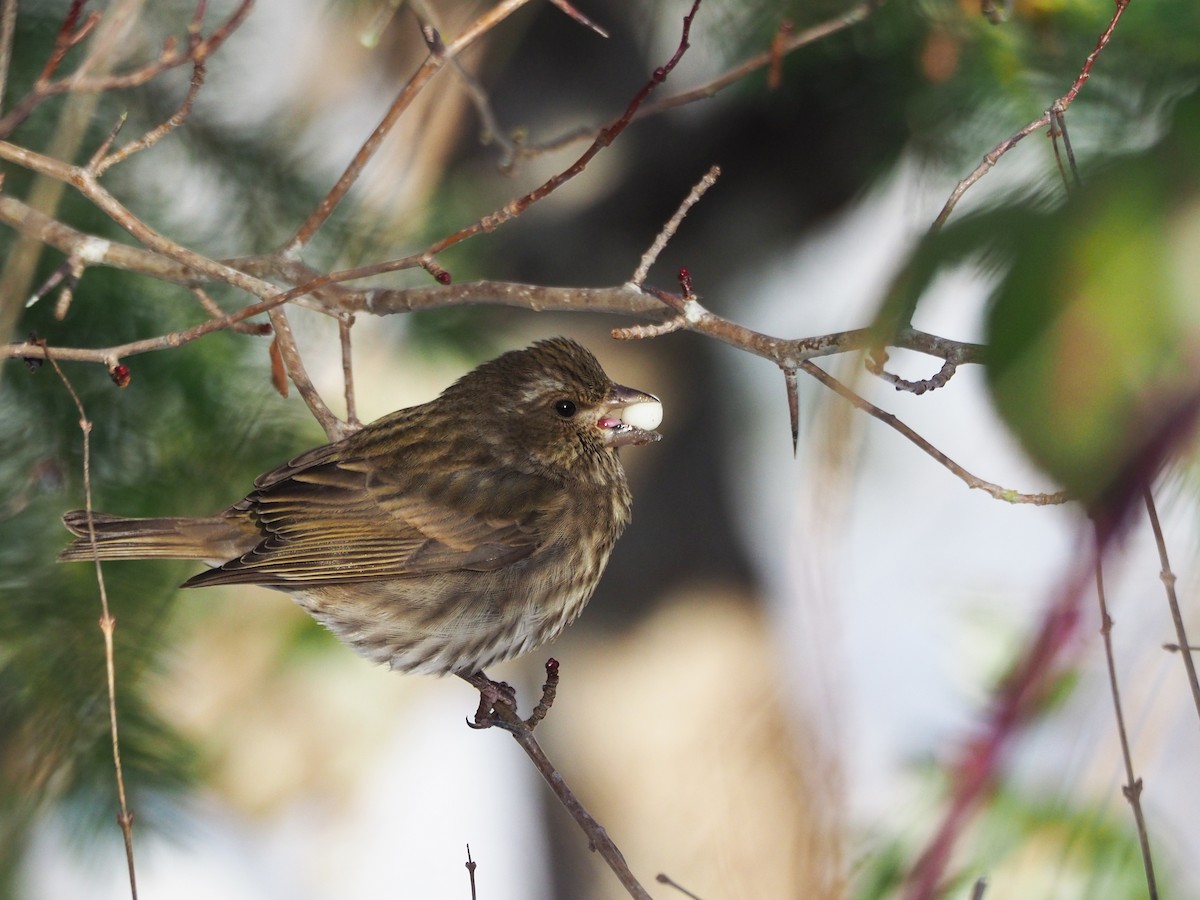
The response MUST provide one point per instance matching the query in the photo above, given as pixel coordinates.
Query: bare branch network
(275, 280)
(281, 277)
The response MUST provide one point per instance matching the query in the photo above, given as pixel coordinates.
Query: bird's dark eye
(565, 408)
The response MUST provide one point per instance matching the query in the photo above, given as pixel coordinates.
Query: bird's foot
(497, 703)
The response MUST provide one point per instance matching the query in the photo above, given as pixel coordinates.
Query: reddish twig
(70, 34)
(778, 49)
(1017, 700)
(1057, 108)
(438, 55)
(209, 305)
(607, 135)
(197, 50)
(778, 44)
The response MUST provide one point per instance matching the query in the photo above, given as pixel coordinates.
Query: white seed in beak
(645, 414)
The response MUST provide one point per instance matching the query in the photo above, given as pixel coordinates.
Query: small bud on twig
(120, 375)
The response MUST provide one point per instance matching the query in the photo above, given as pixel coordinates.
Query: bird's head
(555, 403)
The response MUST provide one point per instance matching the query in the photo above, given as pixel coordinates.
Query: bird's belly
(459, 622)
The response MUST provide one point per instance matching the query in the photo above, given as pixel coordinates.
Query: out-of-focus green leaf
(1093, 331)
(1094, 337)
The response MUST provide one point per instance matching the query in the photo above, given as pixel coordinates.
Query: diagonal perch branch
(497, 707)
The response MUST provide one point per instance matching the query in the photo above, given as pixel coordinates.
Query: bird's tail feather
(118, 537)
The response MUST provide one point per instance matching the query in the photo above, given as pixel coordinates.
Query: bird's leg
(497, 702)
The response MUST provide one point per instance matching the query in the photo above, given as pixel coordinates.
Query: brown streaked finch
(440, 538)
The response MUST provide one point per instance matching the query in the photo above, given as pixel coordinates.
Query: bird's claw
(492, 696)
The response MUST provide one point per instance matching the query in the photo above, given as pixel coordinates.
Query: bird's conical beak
(630, 417)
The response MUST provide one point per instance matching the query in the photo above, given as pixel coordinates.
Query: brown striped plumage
(440, 538)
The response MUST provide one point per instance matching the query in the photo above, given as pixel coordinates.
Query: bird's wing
(329, 521)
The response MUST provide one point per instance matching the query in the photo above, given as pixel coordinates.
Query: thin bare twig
(335, 429)
(778, 45)
(345, 323)
(81, 82)
(71, 32)
(1132, 789)
(579, 17)
(668, 230)
(329, 298)
(664, 878)
(778, 49)
(491, 130)
(470, 864)
(167, 341)
(156, 134)
(1006, 494)
(107, 626)
(607, 135)
(105, 144)
(85, 182)
(67, 139)
(1168, 580)
(258, 329)
(791, 355)
(497, 708)
(877, 358)
(1059, 106)
(67, 275)
(438, 56)
(1069, 171)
